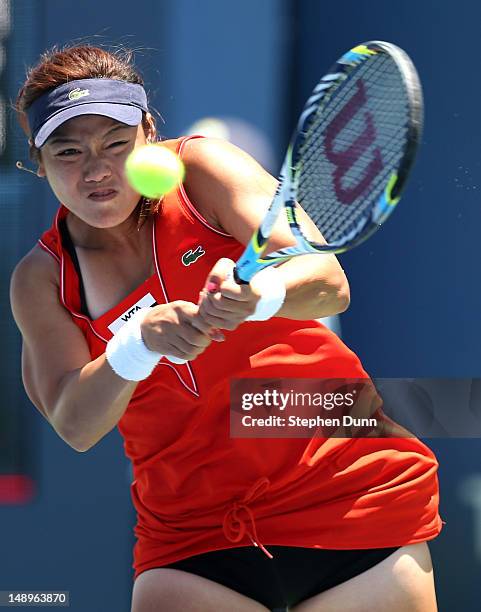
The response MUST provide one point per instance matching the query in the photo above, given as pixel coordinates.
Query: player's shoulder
(210, 150)
(36, 269)
(214, 162)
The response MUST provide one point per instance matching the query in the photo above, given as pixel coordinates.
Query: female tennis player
(223, 523)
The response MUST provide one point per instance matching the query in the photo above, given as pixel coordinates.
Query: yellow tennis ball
(153, 170)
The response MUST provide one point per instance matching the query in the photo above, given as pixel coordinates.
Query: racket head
(350, 155)
(354, 145)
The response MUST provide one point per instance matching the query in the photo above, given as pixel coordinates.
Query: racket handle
(212, 289)
(237, 279)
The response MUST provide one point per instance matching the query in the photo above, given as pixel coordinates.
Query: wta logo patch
(190, 256)
(146, 301)
(75, 94)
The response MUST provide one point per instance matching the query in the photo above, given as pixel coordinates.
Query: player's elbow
(82, 449)
(65, 434)
(79, 445)
(71, 435)
(343, 296)
(336, 297)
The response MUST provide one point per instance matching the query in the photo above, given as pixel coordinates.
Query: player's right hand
(174, 329)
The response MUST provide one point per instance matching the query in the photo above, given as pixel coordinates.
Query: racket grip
(179, 360)
(237, 279)
(212, 288)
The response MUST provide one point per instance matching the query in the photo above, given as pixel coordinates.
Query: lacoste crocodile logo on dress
(190, 256)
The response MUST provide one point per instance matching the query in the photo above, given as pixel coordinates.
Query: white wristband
(273, 293)
(127, 353)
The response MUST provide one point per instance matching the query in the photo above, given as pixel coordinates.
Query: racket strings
(365, 119)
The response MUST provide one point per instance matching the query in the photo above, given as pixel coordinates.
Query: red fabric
(195, 489)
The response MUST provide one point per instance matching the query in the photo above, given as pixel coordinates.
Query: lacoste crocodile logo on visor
(77, 93)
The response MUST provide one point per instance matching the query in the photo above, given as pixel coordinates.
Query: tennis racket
(349, 157)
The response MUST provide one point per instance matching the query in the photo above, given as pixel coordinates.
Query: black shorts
(293, 575)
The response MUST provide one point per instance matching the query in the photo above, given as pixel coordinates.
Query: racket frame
(253, 260)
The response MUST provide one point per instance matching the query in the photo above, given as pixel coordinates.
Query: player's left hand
(223, 304)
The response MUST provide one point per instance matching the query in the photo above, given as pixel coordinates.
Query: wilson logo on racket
(190, 256)
(345, 159)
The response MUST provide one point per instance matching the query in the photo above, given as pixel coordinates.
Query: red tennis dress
(195, 488)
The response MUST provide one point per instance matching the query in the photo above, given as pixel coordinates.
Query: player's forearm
(92, 401)
(313, 290)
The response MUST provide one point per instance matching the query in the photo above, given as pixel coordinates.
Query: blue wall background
(415, 297)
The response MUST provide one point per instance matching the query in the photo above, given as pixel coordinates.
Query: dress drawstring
(235, 526)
